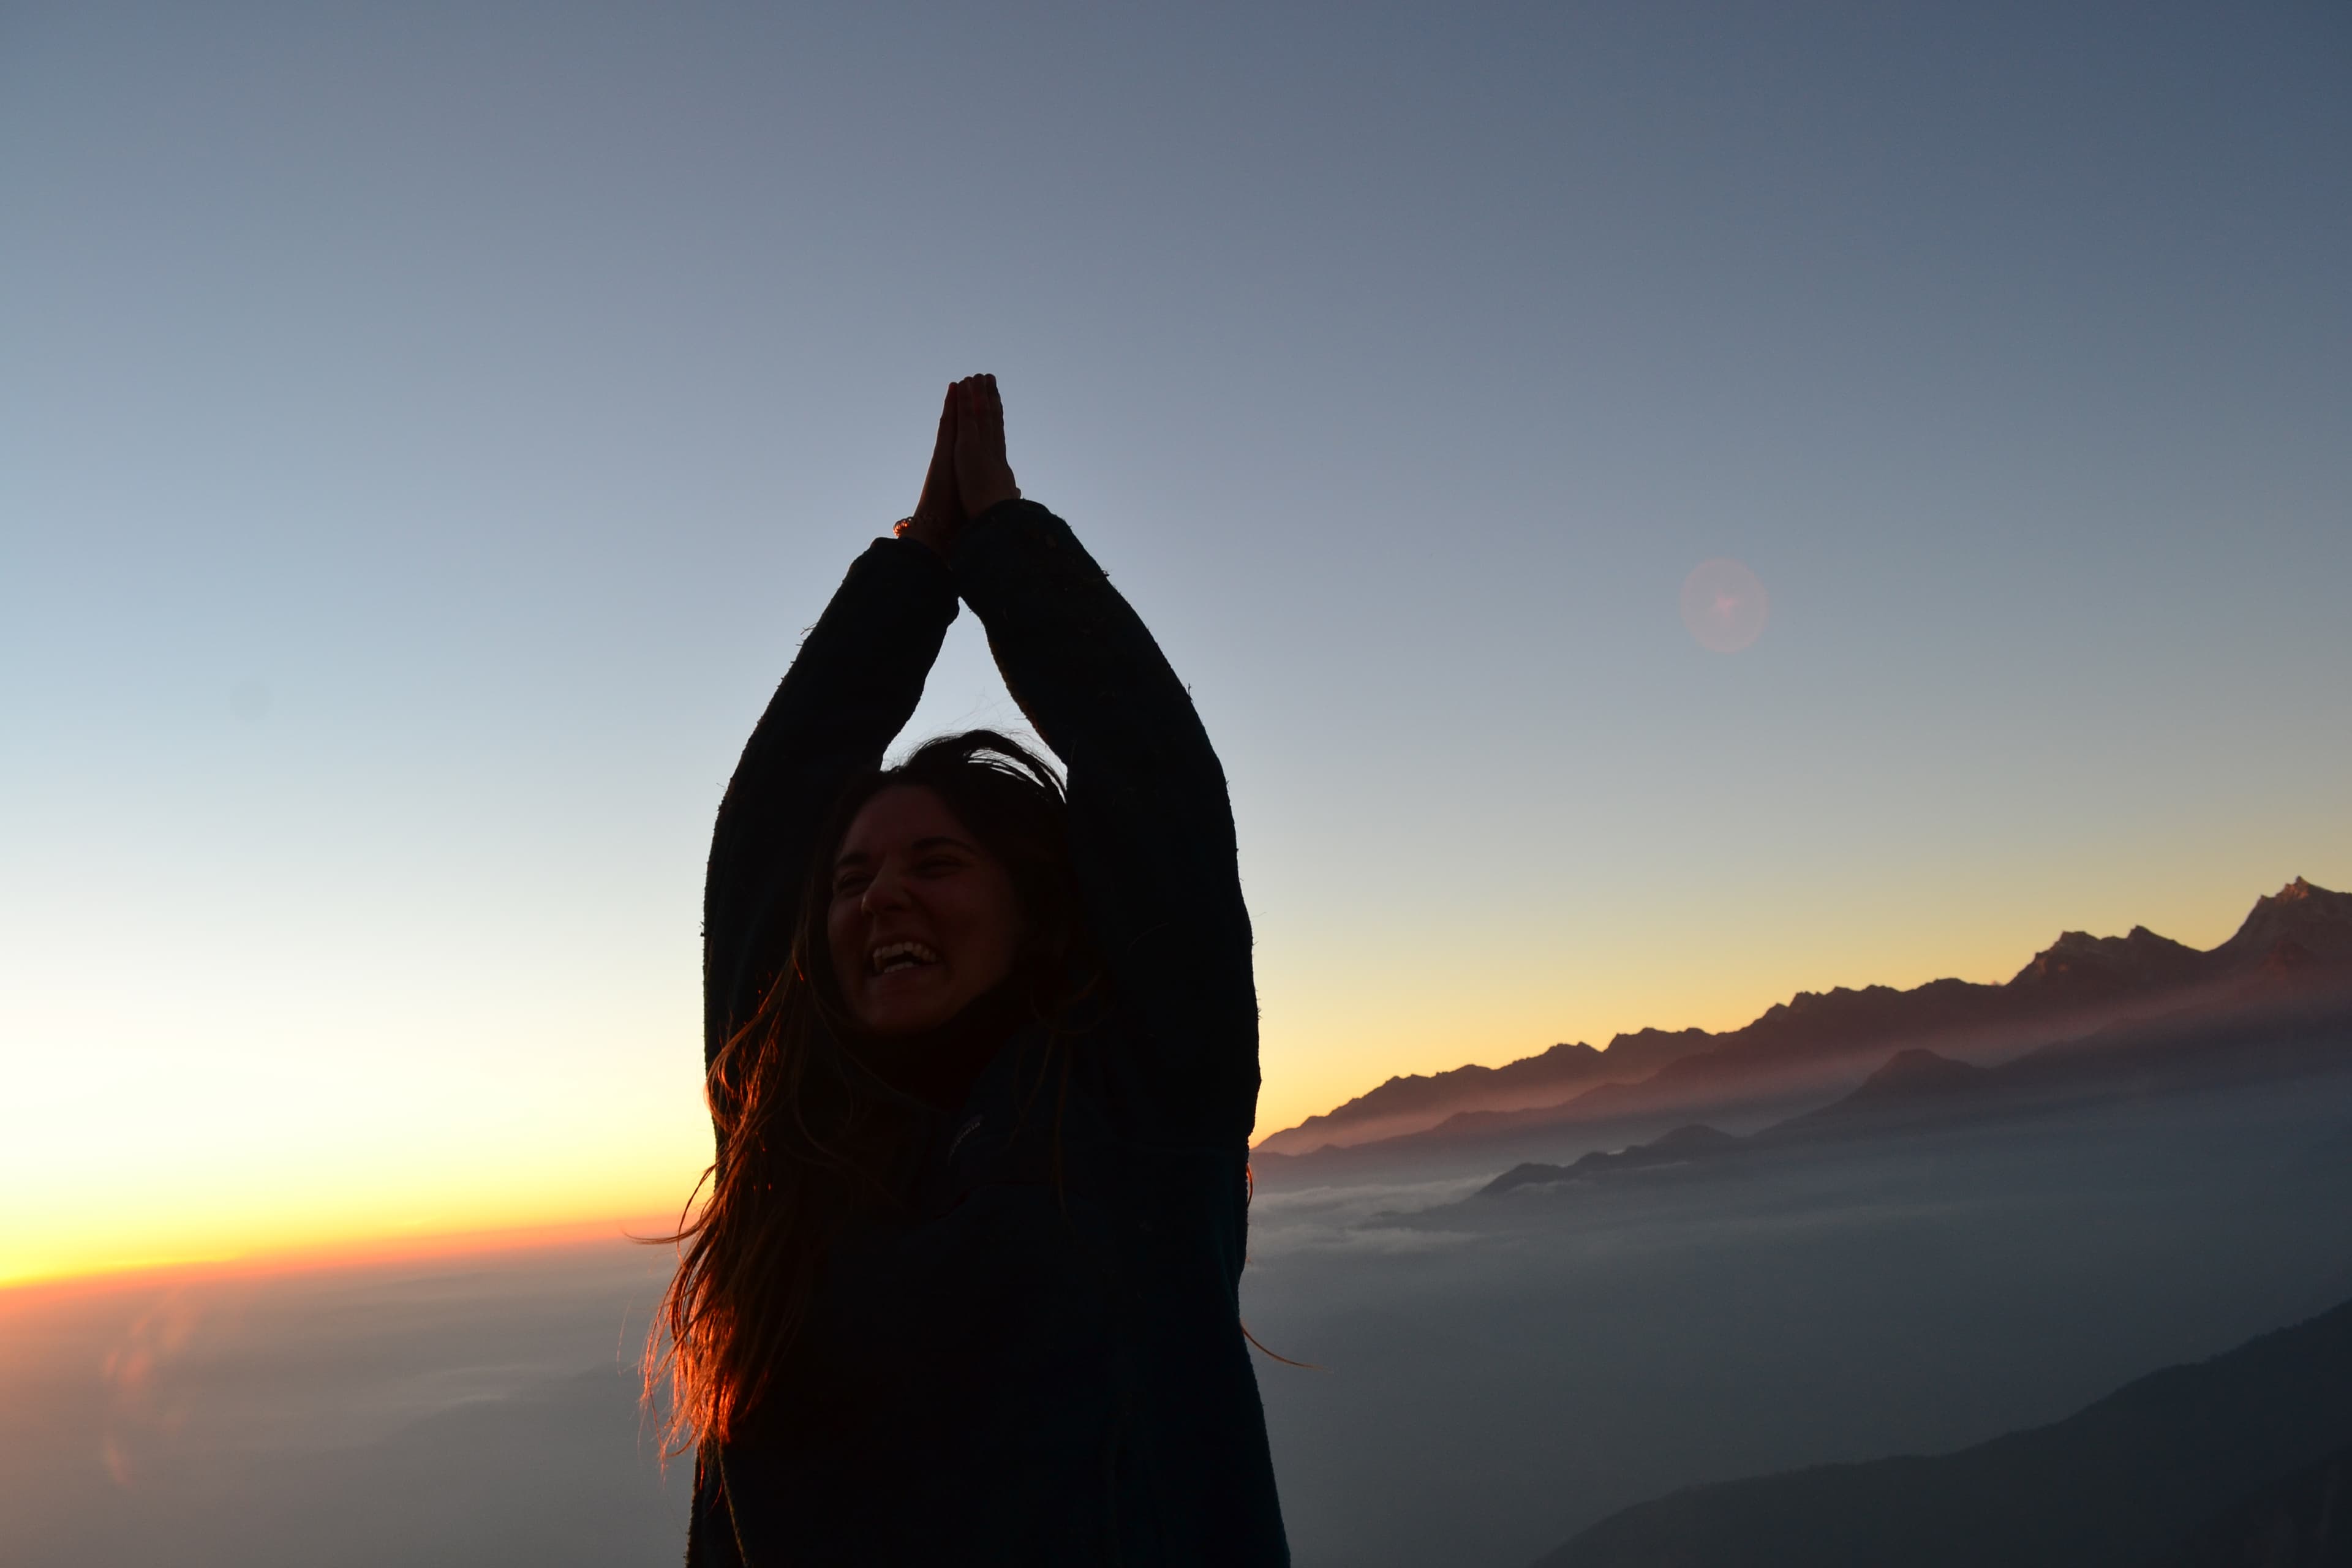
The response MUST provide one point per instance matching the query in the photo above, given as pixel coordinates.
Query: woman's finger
(984, 477)
(939, 501)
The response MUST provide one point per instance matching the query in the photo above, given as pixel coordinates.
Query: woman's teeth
(901, 955)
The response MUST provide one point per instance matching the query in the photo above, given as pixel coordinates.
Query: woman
(984, 1064)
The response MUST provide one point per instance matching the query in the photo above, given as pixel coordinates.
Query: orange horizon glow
(348, 1252)
(215, 1159)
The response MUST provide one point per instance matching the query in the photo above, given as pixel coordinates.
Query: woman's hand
(938, 513)
(982, 475)
(969, 473)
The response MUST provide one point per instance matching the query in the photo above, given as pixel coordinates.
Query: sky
(427, 432)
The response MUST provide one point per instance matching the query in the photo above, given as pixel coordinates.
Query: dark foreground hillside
(2303, 1522)
(2198, 1464)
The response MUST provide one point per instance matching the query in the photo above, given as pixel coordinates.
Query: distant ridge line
(2078, 984)
(2286, 1033)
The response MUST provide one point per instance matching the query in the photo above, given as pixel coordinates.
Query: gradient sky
(425, 432)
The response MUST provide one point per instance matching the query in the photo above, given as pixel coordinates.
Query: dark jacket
(1041, 1358)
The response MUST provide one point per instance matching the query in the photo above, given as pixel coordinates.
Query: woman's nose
(886, 891)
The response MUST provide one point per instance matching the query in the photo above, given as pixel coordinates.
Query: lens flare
(1724, 605)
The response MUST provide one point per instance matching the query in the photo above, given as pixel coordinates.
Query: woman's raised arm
(1151, 826)
(852, 687)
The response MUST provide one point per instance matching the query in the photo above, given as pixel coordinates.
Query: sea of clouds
(1488, 1375)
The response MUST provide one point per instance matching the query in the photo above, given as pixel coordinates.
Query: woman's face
(922, 919)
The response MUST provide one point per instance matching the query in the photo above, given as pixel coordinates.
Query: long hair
(805, 1140)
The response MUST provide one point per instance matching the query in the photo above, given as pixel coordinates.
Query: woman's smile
(894, 955)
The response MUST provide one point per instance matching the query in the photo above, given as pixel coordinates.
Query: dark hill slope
(2120, 1483)
(2303, 1521)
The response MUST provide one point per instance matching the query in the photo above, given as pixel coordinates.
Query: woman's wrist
(936, 534)
(977, 505)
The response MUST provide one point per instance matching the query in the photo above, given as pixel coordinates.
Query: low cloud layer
(456, 1410)
(1492, 1374)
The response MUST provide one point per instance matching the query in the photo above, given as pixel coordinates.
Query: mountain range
(2298, 938)
(2278, 1032)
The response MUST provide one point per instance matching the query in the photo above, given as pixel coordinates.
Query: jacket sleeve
(851, 688)
(1151, 827)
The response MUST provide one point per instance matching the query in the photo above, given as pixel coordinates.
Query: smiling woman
(922, 919)
(948, 913)
(983, 1063)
